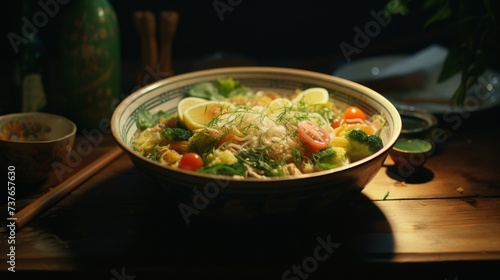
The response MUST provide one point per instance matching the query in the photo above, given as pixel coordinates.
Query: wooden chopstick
(139, 26)
(168, 28)
(149, 25)
(41, 204)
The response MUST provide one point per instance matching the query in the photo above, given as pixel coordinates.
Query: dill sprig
(259, 159)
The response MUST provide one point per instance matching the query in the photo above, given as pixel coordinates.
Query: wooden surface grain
(444, 222)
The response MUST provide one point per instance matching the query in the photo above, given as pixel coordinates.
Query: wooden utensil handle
(139, 26)
(58, 192)
(149, 22)
(168, 25)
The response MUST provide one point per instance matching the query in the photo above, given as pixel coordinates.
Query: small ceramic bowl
(31, 142)
(410, 153)
(416, 123)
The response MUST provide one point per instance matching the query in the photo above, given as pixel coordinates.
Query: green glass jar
(90, 50)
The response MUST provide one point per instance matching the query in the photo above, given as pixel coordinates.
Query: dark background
(279, 29)
(292, 33)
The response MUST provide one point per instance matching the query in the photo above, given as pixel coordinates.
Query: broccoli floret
(175, 134)
(329, 158)
(362, 145)
(204, 140)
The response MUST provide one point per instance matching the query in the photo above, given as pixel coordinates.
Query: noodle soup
(226, 128)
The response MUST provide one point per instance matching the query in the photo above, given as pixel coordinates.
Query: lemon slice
(312, 96)
(277, 105)
(186, 103)
(198, 115)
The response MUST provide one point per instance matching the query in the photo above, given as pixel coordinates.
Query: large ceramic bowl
(224, 197)
(31, 143)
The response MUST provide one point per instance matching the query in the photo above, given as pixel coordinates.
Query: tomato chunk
(191, 161)
(354, 114)
(313, 135)
(227, 138)
(337, 121)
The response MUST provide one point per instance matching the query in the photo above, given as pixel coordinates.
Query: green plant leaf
(475, 30)
(460, 95)
(398, 7)
(453, 64)
(443, 12)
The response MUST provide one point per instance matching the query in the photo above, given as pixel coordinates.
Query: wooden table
(443, 223)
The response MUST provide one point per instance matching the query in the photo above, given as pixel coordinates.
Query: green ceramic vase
(90, 50)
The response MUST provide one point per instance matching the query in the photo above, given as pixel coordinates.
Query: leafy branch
(475, 29)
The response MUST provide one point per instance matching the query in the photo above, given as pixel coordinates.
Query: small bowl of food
(31, 142)
(247, 142)
(410, 153)
(416, 123)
